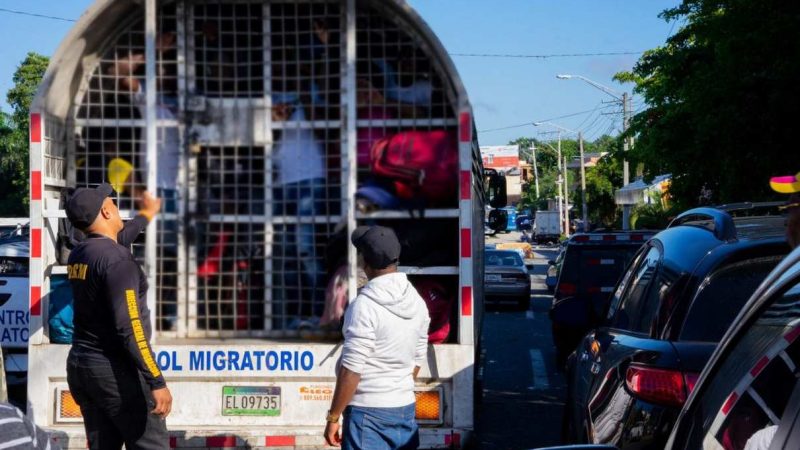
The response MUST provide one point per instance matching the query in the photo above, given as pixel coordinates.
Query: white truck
(254, 121)
(547, 227)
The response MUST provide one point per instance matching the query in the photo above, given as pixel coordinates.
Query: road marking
(540, 379)
(529, 314)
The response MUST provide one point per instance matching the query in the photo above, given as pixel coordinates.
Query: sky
(504, 92)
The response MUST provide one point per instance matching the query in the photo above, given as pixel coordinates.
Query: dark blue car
(629, 377)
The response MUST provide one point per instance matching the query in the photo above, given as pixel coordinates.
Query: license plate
(251, 401)
(493, 278)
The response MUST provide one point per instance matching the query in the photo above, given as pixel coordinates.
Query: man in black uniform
(111, 369)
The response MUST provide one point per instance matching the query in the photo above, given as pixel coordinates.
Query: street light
(626, 112)
(617, 96)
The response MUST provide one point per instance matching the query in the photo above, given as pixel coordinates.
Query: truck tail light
(429, 405)
(68, 409)
(660, 386)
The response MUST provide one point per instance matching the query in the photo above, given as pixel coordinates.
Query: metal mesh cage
(250, 152)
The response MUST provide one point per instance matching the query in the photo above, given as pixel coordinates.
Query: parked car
(628, 379)
(748, 396)
(506, 278)
(591, 267)
(553, 270)
(14, 312)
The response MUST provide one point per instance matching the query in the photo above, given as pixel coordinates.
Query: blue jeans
(380, 428)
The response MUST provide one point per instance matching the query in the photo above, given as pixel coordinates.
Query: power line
(41, 16)
(542, 120)
(544, 56)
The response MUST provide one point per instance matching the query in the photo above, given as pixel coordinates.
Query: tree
(722, 99)
(14, 161)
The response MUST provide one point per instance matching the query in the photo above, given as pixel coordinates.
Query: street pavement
(523, 394)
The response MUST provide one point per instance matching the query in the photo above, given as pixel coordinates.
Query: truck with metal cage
(255, 121)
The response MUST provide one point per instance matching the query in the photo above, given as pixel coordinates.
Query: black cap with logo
(379, 245)
(83, 204)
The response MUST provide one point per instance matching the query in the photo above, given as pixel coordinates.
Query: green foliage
(601, 183)
(14, 136)
(653, 216)
(723, 98)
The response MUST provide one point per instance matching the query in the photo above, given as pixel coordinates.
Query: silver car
(506, 278)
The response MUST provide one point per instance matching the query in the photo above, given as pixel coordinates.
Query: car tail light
(565, 289)
(581, 238)
(660, 386)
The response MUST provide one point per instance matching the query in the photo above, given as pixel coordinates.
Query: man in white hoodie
(385, 343)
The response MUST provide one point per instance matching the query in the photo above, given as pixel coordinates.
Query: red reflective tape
(36, 128)
(466, 243)
(36, 184)
(466, 300)
(279, 441)
(36, 300)
(221, 441)
(36, 242)
(726, 408)
(465, 127)
(173, 442)
(466, 185)
(792, 335)
(453, 440)
(609, 237)
(759, 366)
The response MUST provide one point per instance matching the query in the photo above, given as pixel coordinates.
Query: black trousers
(115, 403)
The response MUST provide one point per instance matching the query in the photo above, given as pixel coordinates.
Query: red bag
(422, 164)
(440, 304)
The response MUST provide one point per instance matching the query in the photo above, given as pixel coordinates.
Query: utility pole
(626, 209)
(561, 186)
(583, 186)
(535, 170)
(566, 198)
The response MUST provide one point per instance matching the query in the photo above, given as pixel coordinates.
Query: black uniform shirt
(109, 290)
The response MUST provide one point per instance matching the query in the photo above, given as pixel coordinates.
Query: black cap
(379, 245)
(83, 204)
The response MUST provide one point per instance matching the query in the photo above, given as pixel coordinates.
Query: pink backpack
(440, 304)
(421, 164)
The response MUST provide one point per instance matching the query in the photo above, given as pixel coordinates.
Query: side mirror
(551, 263)
(498, 219)
(496, 194)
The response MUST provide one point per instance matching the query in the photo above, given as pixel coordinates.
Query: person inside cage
(128, 73)
(299, 192)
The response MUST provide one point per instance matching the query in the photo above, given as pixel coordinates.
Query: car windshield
(503, 259)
